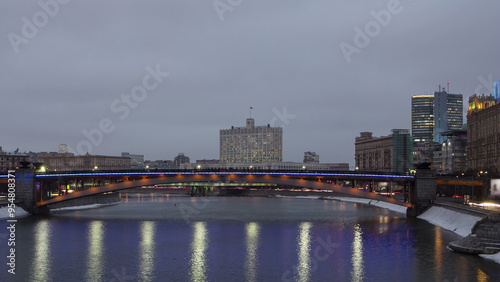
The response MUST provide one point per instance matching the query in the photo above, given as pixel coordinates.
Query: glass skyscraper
(435, 114)
(422, 118)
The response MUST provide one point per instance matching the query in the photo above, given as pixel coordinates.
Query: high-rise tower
(434, 114)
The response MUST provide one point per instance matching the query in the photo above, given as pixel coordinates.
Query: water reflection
(147, 250)
(252, 243)
(481, 276)
(198, 252)
(304, 240)
(383, 224)
(357, 272)
(94, 260)
(41, 257)
(438, 253)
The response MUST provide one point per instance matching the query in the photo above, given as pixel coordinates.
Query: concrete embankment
(18, 212)
(480, 228)
(100, 199)
(380, 204)
(454, 219)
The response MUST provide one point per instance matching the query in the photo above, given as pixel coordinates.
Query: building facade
(181, 159)
(70, 162)
(452, 156)
(434, 114)
(63, 148)
(392, 153)
(483, 134)
(137, 161)
(11, 160)
(424, 152)
(271, 166)
(311, 157)
(251, 144)
(422, 118)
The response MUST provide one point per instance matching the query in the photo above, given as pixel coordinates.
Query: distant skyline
(158, 78)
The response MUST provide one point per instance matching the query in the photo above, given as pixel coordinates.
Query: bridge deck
(294, 179)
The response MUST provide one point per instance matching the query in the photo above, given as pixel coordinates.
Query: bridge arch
(268, 179)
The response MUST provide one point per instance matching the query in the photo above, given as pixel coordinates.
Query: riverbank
(19, 212)
(459, 221)
(467, 222)
(380, 204)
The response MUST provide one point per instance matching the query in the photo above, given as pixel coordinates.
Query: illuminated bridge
(33, 189)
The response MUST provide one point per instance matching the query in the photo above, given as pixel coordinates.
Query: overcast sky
(65, 68)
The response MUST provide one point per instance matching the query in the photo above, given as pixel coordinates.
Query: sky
(162, 77)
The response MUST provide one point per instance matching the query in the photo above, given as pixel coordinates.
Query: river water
(169, 238)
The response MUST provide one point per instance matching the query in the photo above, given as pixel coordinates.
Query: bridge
(33, 187)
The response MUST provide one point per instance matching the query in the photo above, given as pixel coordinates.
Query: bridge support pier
(423, 194)
(27, 191)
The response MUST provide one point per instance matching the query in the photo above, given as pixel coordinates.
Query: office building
(311, 157)
(452, 156)
(483, 134)
(53, 161)
(181, 159)
(422, 118)
(63, 148)
(137, 161)
(434, 114)
(392, 153)
(11, 160)
(424, 152)
(205, 161)
(251, 144)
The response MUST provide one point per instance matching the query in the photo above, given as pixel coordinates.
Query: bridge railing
(229, 170)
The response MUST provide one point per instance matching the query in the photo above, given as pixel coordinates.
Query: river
(171, 238)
